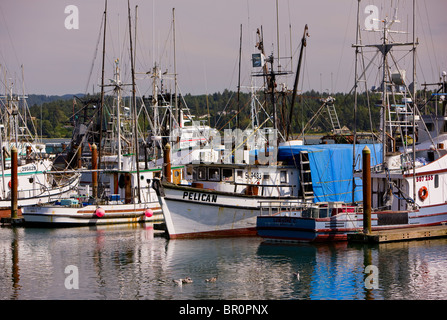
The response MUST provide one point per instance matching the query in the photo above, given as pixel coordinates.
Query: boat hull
(73, 216)
(46, 196)
(194, 212)
(336, 228)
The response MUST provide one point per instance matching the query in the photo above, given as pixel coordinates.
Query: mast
(134, 102)
(118, 111)
(414, 100)
(297, 75)
(355, 98)
(239, 80)
(100, 111)
(277, 35)
(176, 110)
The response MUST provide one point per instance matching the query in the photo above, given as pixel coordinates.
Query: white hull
(41, 196)
(72, 215)
(193, 212)
(34, 185)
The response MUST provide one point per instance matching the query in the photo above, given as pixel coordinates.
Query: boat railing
(264, 187)
(299, 208)
(282, 206)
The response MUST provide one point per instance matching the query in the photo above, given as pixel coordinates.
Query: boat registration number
(428, 177)
(253, 175)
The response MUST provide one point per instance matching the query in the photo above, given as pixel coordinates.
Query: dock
(400, 234)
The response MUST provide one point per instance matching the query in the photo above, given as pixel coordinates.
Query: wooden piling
(14, 182)
(79, 157)
(14, 219)
(94, 172)
(167, 162)
(366, 190)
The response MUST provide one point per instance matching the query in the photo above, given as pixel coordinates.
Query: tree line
(54, 116)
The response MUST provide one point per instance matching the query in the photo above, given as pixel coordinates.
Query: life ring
(423, 193)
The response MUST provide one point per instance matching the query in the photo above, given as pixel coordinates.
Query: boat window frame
(210, 177)
(231, 178)
(199, 171)
(283, 176)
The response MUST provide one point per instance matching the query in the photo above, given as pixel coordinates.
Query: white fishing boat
(119, 203)
(407, 187)
(223, 199)
(38, 182)
(116, 188)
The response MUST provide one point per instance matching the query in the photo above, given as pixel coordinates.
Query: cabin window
(266, 176)
(436, 181)
(157, 174)
(283, 176)
(239, 174)
(214, 174)
(227, 174)
(445, 127)
(201, 173)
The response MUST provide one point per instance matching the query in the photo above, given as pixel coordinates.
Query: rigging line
(94, 56)
(243, 107)
(431, 38)
(16, 56)
(165, 50)
(228, 102)
(416, 109)
(348, 19)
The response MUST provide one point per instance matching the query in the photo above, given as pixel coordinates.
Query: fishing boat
(407, 186)
(37, 179)
(224, 199)
(120, 204)
(117, 181)
(120, 194)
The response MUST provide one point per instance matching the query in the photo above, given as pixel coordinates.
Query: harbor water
(136, 262)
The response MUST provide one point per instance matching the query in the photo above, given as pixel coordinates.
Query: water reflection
(135, 262)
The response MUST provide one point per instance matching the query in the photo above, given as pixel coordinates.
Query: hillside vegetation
(53, 115)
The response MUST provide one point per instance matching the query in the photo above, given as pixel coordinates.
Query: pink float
(148, 213)
(100, 212)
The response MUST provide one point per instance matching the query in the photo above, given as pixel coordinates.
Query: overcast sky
(57, 60)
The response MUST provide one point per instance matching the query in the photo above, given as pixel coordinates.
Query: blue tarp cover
(331, 168)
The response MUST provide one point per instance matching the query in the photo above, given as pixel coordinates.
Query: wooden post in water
(14, 183)
(167, 162)
(366, 190)
(79, 157)
(94, 172)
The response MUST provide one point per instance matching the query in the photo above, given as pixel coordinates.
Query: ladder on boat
(305, 176)
(333, 115)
